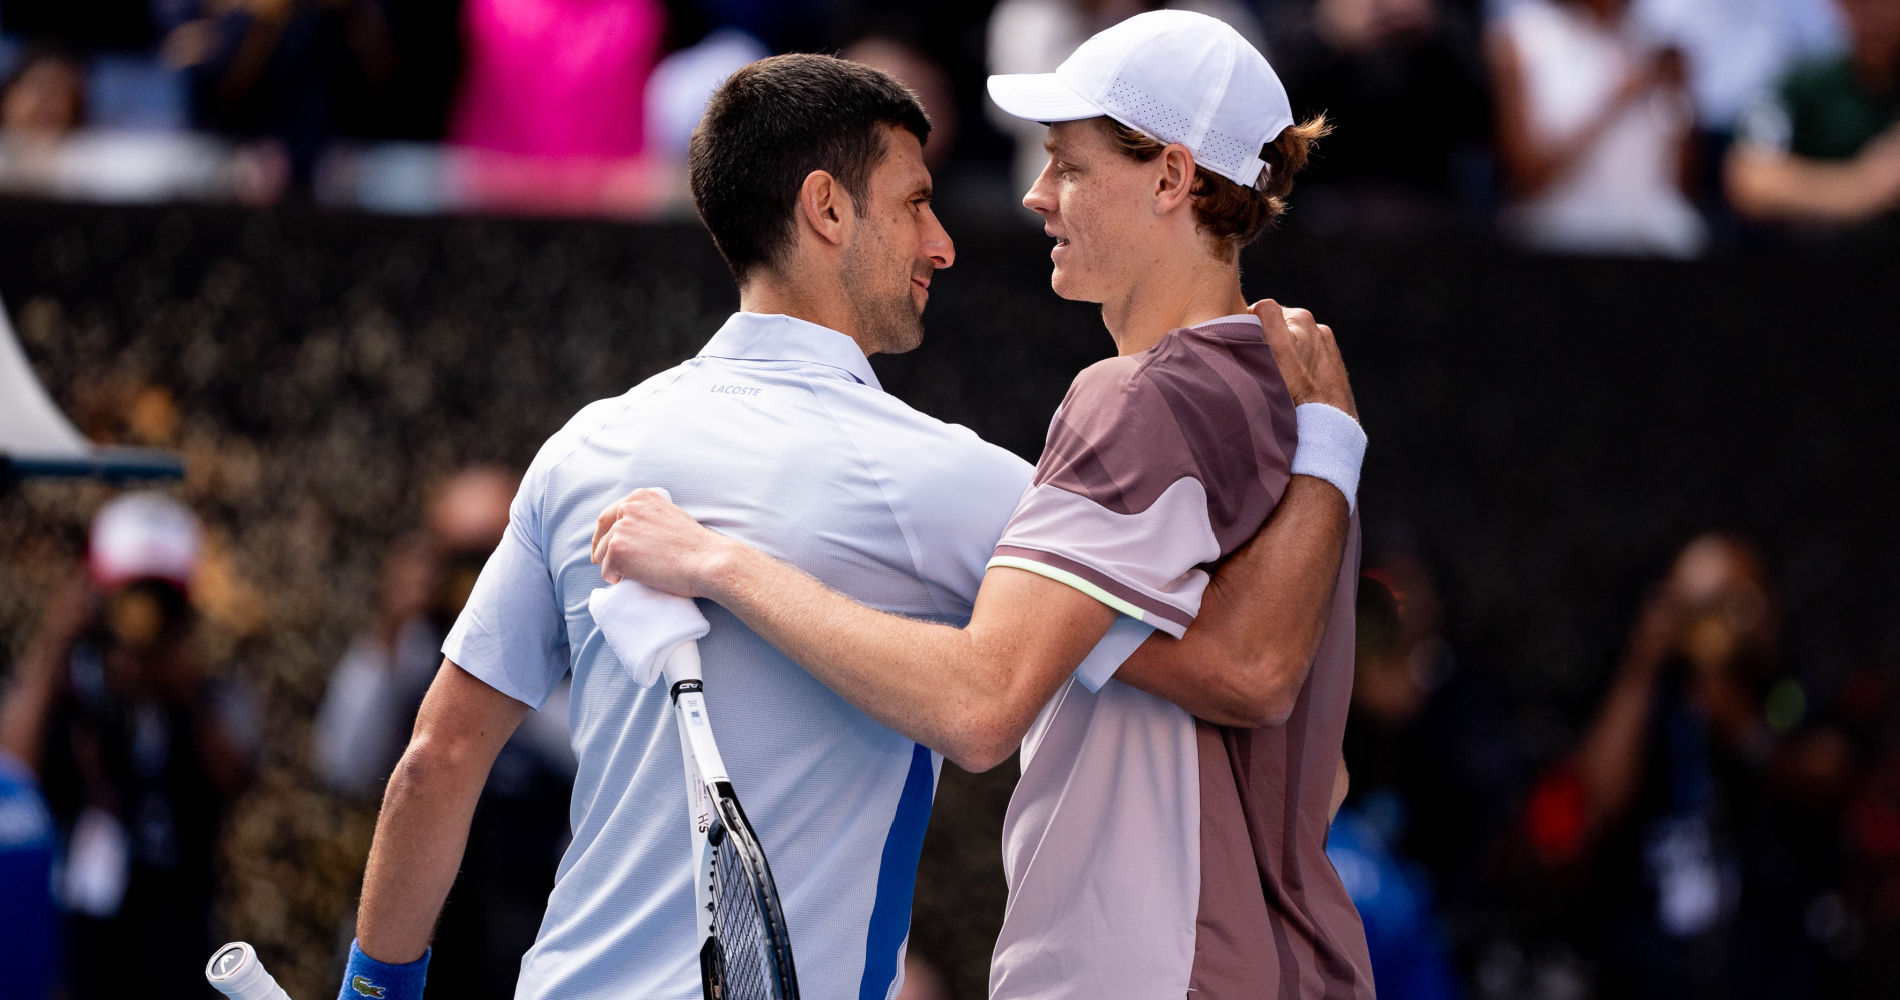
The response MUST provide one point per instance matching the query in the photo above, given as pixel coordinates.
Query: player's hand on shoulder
(1308, 356)
(645, 537)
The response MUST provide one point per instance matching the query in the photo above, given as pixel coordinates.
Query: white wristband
(1332, 447)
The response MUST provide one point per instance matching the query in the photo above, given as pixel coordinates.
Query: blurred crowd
(1718, 825)
(1639, 127)
(1713, 833)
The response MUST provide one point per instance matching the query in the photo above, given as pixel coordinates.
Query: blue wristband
(367, 979)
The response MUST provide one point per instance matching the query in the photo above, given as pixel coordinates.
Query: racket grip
(235, 972)
(681, 664)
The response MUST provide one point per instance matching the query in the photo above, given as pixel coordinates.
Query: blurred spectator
(1403, 83)
(139, 752)
(1393, 895)
(46, 148)
(520, 825)
(1738, 50)
(1703, 812)
(297, 71)
(1034, 36)
(683, 82)
(1430, 755)
(44, 98)
(1593, 131)
(551, 110)
(1826, 146)
(557, 78)
(28, 942)
(916, 70)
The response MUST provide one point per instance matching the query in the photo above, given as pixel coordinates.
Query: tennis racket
(235, 971)
(745, 950)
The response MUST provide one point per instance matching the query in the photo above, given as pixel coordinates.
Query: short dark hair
(772, 124)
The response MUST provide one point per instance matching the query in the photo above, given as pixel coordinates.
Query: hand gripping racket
(745, 951)
(235, 971)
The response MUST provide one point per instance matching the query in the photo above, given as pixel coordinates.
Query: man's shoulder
(889, 428)
(1209, 371)
(589, 420)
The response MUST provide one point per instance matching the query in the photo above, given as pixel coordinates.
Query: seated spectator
(1593, 131)
(520, 825)
(1826, 147)
(139, 753)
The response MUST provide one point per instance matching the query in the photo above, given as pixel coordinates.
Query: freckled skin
(1084, 194)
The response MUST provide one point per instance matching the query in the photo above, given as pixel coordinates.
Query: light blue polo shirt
(778, 434)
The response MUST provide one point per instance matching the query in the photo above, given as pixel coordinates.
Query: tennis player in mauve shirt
(1167, 836)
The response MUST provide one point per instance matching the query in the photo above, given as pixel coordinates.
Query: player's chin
(1068, 286)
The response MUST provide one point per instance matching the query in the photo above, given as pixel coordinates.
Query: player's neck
(775, 295)
(1166, 299)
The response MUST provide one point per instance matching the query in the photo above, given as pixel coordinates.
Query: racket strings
(742, 930)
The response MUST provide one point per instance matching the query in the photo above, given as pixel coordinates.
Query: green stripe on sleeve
(1064, 576)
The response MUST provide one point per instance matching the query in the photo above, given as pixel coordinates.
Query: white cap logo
(1175, 75)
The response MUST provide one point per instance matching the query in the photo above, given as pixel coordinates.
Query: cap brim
(1040, 97)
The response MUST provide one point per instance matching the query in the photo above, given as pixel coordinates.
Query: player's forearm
(1245, 658)
(931, 682)
(420, 838)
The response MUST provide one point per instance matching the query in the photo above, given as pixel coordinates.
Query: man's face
(895, 248)
(1090, 196)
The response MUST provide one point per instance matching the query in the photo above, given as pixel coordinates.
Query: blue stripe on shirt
(897, 878)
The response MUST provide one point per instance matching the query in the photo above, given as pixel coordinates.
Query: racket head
(749, 956)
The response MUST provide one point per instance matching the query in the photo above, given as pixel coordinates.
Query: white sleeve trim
(1124, 637)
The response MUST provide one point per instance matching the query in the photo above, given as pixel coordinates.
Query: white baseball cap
(1175, 75)
(144, 535)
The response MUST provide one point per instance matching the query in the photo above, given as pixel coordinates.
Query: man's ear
(1174, 183)
(825, 206)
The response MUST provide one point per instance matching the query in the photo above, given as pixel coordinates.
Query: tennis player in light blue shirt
(778, 433)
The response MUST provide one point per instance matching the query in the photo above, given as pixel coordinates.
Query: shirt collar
(749, 336)
(1248, 318)
(1248, 323)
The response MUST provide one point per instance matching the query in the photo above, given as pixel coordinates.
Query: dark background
(1545, 433)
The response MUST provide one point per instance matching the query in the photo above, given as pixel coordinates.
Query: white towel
(643, 625)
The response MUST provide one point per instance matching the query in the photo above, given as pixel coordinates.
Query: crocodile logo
(363, 986)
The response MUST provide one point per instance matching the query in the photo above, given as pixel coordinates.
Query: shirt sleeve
(1153, 472)
(511, 634)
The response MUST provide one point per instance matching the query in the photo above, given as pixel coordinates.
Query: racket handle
(681, 664)
(235, 972)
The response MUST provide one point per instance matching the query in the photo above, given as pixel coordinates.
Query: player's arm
(1243, 661)
(1245, 658)
(969, 693)
(423, 828)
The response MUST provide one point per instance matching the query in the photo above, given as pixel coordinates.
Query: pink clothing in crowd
(557, 78)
